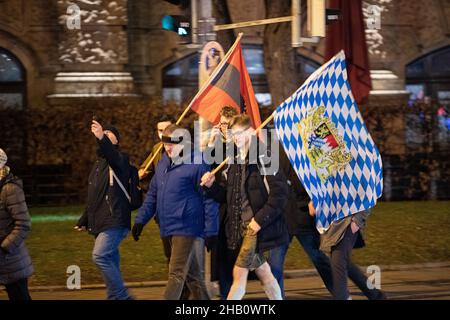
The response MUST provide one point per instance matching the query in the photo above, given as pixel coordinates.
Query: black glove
(4, 251)
(83, 221)
(210, 243)
(137, 230)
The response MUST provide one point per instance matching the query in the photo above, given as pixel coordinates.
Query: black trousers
(18, 291)
(342, 267)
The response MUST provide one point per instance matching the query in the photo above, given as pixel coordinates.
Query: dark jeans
(225, 264)
(186, 266)
(310, 243)
(342, 268)
(107, 259)
(18, 291)
(275, 259)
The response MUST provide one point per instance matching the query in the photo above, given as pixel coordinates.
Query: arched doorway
(12, 82)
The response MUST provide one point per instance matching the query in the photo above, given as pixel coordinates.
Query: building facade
(119, 51)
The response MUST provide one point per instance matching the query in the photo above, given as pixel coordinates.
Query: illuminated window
(430, 76)
(12, 81)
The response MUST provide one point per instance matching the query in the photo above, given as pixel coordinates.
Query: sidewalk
(405, 282)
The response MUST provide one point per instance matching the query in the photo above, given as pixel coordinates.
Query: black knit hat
(113, 130)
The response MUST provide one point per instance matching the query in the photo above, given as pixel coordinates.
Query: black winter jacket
(107, 207)
(15, 225)
(267, 207)
(297, 213)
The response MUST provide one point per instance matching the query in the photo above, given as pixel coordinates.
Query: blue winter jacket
(179, 202)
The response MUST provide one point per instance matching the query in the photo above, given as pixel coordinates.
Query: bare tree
(222, 14)
(279, 57)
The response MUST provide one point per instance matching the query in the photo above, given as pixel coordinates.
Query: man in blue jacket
(184, 213)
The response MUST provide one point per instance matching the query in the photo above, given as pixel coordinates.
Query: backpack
(134, 192)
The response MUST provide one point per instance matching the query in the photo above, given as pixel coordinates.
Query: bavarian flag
(229, 85)
(329, 146)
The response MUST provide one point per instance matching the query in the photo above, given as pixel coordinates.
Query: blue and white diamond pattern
(358, 186)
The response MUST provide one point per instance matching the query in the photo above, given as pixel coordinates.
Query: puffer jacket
(15, 225)
(178, 201)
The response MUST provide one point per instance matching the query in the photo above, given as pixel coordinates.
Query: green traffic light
(168, 23)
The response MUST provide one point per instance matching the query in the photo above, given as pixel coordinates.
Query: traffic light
(180, 24)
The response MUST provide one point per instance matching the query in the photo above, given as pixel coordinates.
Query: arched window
(430, 76)
(180, 79)
(12, 81)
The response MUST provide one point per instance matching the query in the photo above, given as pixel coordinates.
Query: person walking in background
(15, 225)
(338, 241)
(146, 175)
(301, 225)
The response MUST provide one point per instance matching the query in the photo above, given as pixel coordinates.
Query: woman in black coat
(15, 224)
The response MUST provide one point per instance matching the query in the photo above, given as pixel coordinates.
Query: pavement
(430, 281)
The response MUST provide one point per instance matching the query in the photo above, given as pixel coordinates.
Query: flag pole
(224, 162)
(216, 70)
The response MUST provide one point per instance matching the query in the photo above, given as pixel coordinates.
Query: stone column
(93, 51)
(388, 84)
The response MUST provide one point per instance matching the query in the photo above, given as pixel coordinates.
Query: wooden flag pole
(207, 83)
(224, 162)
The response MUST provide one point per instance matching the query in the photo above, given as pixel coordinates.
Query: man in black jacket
(108, 214)
(255, 221)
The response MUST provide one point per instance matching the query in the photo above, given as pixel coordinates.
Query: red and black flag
(229, 85)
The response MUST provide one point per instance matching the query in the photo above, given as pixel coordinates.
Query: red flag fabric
(228, 86)
(348, 34)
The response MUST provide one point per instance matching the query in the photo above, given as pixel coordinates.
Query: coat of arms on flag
(329, 146)
(324, 147)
